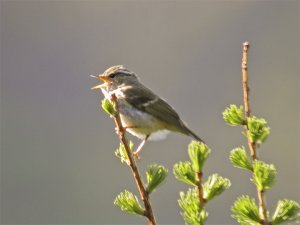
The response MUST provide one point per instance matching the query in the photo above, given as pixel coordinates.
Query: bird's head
(115, 77)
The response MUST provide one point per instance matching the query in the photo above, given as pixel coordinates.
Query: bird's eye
(112, 75)
(119, 74)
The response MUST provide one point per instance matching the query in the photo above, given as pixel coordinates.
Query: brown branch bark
(262, 207)
(144, 194)
(200, 189)
(246, 95)
(251, 144)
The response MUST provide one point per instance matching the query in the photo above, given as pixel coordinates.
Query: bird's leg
(137, 151)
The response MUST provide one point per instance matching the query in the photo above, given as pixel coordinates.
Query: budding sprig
(129, 203)
(190, 172)
(108, 106)
(257, 129)
(245, 210)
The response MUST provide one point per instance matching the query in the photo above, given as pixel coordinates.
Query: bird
(143, 113)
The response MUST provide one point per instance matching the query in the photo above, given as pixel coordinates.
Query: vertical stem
(245, 78)
(262, 207)
(246, 95)
(251, 144)
(144, 194)
(200, 189)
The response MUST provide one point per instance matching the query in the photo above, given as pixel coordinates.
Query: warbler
(143, 113)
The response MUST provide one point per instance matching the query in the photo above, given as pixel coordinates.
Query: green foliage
(183, 171)
(192, 213)
(286, 211)
(258, 129)
(263, 175)
(240, 159)
(234, 115)
(214, 186)
(128, 202)
(122, 154)
(155, 176)
(198, 153)
(108, 107)
(190, 173)
(246, 211)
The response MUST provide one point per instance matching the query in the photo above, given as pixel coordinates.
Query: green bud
(183, 171)
(240, 159)
(155, 176)
(286, 211)
(108, 107)
(192, 213)
(214, 186)
(245, 211)
(128, 202)
(263, 175)
(258, 129)
(122, 154)
(198, 153)
(234, 116)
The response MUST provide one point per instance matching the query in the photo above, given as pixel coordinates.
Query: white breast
(140, 123)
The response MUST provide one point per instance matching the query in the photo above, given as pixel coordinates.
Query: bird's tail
(189, 132)
(192, 134)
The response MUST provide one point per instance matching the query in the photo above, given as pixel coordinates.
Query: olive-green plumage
(142, 112)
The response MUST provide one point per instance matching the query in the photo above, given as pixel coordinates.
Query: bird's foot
(136, 155)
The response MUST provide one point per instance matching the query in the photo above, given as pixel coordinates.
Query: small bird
(143, 113)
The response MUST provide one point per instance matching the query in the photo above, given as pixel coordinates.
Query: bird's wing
(145, 100)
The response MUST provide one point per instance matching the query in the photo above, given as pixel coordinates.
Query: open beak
(100, 77)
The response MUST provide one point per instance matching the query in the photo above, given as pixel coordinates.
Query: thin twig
(262, 207)
(200, 189)
(251, 144)
(144, 194)
(246, 95)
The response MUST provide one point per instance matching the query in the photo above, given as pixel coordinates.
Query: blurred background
(57, 145)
